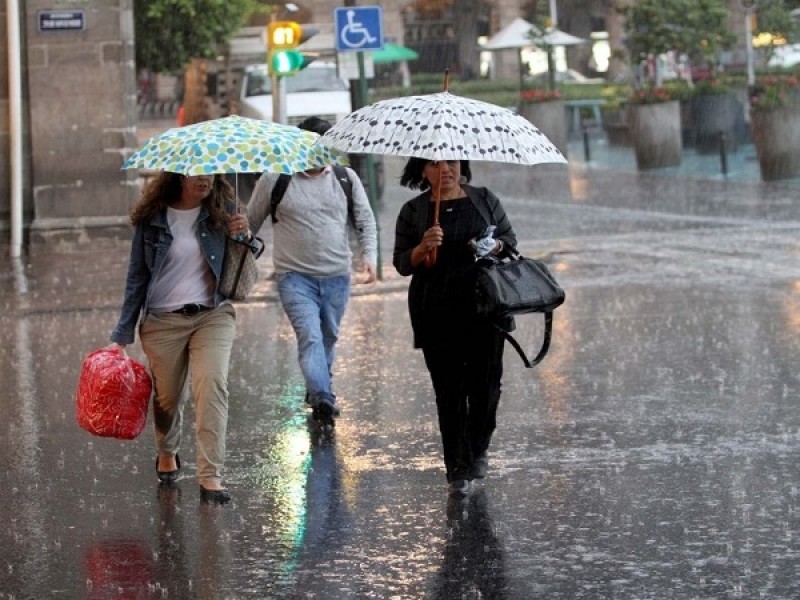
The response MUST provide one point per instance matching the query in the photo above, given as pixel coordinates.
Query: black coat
(442, 298)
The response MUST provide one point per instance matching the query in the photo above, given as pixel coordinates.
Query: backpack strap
(347, 186)
(278, 190)
(282, 183)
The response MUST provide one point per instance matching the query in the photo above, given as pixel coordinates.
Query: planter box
(551, 119)
(615, 124)
(655, 131)
(715, 115)
(776, 134)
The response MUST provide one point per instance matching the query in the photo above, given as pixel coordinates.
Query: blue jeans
(315, 307)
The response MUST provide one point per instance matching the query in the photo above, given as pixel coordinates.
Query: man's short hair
(315, 124)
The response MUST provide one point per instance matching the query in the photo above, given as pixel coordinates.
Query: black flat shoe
(214, 496)
(169, 477)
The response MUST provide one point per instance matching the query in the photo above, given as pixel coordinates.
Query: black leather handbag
(516, 286)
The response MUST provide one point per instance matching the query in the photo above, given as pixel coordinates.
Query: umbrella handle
(431, 256)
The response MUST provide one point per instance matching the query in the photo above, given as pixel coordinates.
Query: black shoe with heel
(169, 477)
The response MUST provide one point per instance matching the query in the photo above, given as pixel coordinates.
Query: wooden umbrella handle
(432, 255)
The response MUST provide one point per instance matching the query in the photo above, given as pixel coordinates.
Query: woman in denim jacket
(186, 326)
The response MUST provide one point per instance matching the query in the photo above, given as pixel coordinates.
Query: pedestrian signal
(283, 34)
(286, 62)
(282, 39)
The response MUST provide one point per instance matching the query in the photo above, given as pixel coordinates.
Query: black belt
(191, 309)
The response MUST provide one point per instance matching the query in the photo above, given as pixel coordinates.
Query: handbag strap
(548, 332)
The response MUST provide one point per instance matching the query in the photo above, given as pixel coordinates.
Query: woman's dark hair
(413, 178)
(315, 124)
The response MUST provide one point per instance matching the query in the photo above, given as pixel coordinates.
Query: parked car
(568, 76)
(317, 90)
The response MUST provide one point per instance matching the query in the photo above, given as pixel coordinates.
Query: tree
(169, 33)
(697, 28)
(619, 62)
(772, 16)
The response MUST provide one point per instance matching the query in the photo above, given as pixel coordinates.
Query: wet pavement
(653, 454)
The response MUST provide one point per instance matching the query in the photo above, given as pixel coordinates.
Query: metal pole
(14, 126)
(748, 34)
(372, 184)
(277, 103)
(587, 154)
(749, 8)
(723, 153)
(553, 14)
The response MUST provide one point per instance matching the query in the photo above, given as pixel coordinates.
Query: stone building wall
(80, 116)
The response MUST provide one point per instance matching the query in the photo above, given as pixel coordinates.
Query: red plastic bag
(113, 394)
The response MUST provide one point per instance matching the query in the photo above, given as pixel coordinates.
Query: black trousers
(466, 367)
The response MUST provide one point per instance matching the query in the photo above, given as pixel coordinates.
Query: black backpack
(283, 182)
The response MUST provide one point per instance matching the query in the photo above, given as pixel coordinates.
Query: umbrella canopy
(442, 126)
(522, 34)
(394, 53)
(233, 144)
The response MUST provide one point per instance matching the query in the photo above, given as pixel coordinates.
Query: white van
(316, 90)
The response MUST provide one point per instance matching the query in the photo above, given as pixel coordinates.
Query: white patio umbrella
(521, 34)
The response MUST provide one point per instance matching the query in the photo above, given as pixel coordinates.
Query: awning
(394, 53)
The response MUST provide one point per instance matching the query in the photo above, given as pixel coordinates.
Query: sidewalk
(741, 164)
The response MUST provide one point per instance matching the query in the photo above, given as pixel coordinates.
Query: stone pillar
(82, 111)
(505, 63)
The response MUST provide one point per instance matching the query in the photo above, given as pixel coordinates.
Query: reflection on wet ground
(654, 454)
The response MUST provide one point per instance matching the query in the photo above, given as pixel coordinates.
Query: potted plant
(678, 30)
(775, 121)
(545, 109)
(717, 115)
(654, 120)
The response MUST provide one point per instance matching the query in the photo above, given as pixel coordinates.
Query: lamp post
(749, 7)
(553, 14)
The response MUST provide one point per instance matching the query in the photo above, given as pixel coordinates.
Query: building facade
(79, 114)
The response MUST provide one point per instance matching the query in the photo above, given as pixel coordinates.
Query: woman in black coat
(463, 353)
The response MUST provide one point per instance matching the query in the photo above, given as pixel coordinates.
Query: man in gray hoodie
(312, 259)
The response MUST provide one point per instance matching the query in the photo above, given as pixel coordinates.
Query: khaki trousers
(192, 350)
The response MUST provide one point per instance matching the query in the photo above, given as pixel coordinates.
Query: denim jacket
(151, 241)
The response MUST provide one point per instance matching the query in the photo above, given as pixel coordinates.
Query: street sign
(61, 20)
(358, 28)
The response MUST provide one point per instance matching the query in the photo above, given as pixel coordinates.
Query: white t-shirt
(185, 277)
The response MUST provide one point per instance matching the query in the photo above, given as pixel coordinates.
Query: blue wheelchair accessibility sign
(358, 28)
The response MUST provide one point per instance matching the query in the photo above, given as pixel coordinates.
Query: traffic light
(283, 58)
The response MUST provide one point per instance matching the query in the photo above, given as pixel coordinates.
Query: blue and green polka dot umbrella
(233, 145)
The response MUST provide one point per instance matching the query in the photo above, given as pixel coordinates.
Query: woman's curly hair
(165, 190)
(414, 179)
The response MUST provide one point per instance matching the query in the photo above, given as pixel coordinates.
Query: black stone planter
(716, 118)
